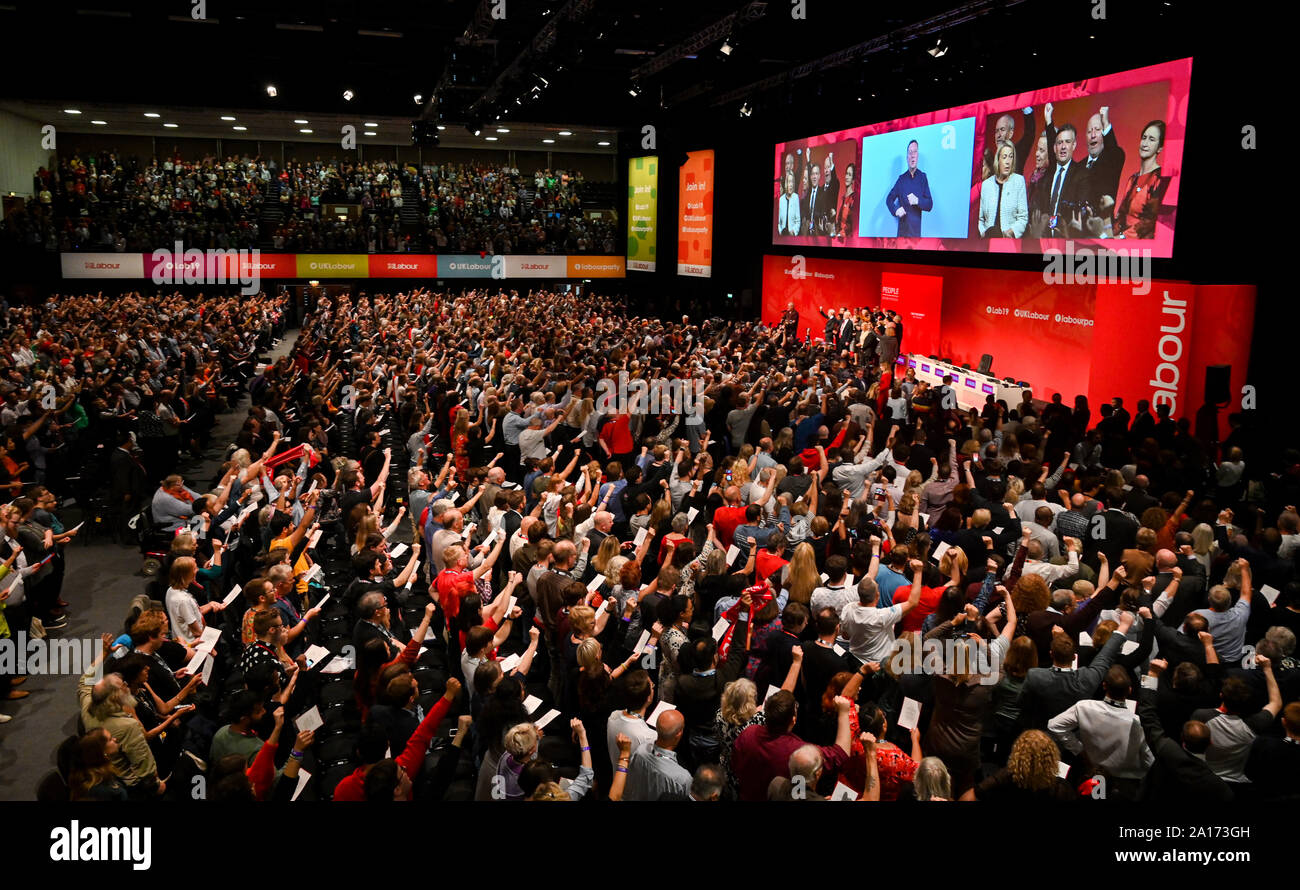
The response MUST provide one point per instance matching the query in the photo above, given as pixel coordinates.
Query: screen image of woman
(1004, 204)
(1135, 215)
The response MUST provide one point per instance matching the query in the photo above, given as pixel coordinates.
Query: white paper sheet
(910, 714)
(309, 720)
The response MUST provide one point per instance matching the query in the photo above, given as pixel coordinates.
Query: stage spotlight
(746, 109)
(634, 89)
(271, 90)
(939, 49)
(418, 98)
(347, 95)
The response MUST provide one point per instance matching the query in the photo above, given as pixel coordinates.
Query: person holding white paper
(653, 770)
(635, 692)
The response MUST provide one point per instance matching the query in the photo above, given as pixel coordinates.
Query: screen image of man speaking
(910, 196)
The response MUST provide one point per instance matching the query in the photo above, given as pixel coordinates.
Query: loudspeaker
(1216, 384)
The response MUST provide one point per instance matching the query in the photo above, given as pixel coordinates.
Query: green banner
(642, 212)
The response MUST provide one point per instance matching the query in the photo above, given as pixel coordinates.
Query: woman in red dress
(846, 213)
(1135, 216)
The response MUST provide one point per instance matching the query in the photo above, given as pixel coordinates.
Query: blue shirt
(806, 430)
(888, 581)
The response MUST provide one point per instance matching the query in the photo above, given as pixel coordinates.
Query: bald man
(1139, 498)
(654, 770)
(1005, 130)
(1190, 594)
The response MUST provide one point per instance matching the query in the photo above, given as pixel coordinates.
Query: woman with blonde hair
(739, 710)
(1203, 546)
(1030, 776)
(609, 549)
(801, 575)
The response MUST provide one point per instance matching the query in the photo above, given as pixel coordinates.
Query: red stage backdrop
(1102, 340)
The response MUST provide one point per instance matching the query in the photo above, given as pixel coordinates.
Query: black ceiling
(152, 51)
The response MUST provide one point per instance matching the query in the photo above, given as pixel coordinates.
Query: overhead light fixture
(441, 127)
(634, 89)
(240, 129)
(489, 139)
(939, 49)
(548, 141)
(371, 134)
(347, 95)
(502, 130)
(300, 121)
(603, 142)
(171, 126)
(308, 132)
(100, 123)
(566, 133)
(271, 90)
(227, 117)
(72, 111)
(746, 109)
(152, 114)
(417, 98)
(370, 124)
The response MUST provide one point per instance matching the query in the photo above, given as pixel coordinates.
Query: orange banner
(695, 215)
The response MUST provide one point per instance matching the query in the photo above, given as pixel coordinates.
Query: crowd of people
(104, 202)
(816, 580)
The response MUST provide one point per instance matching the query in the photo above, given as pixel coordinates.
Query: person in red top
(896, 769)
(762, 752)
(412, 757)
(616, 439)
(451, 581)
(727, 518)
(953, 564)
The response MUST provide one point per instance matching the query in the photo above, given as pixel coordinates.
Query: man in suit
(1051, 691)
(832, 324)
(789, 218)
(845, 333)
(1111, 531)
(1139, 498)
(372, 623)
(128, 483)
(1190, 592)
(1179, 774)
(814, 205)
(831, 185)
(1103, 165)
(1059, 210)
(1274, 763)
(910, 196)
(1071, 618)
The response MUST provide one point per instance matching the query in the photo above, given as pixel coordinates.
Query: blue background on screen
(884, 159)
